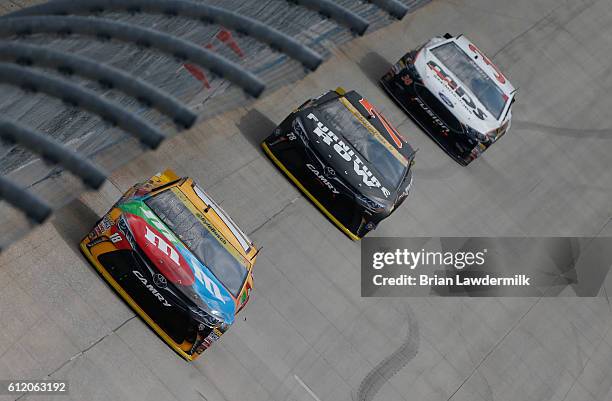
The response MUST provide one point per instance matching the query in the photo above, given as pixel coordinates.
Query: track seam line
(484, 358)
(305, 386)
(603, 340)
(531, 28)
(80, 353)
(276, 214)
(93, 344)
(143, 363)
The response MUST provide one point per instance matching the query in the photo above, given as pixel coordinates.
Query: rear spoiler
(412, 157)
(164, 180)
(256, 253)
(512, 101)
(449, 36)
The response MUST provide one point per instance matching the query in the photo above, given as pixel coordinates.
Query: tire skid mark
(391, 365)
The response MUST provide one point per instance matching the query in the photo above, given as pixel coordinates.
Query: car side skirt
(314, 200)
(424, 127)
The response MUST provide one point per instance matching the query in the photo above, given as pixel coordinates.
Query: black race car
(455, 93)
(346, 158)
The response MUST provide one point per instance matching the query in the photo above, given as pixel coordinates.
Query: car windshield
(468, 72)
(340, 119)
(201, 239)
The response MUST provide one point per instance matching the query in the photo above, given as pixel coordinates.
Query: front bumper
(171, 326)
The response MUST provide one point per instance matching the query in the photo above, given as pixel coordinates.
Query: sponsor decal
(103, 226)
(115, 238)
(161, 252)
(97, 241)
(436, 120)
(210, 289)
(322, 178)
(208, 341)
(212, 229)
(396, 136)
(397, 67)
(446, 100)
(119, 239)
(407, 80)
(151, 289)
(454, 86)
(210, 285)
(155, 222)
(162, 245)
(332, 140)
(160, 281)
(122, 224)
(498, 74)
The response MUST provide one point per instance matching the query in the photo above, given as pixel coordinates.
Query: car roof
(380, 128)
(483, 61)
(219, 218)
(211, 210)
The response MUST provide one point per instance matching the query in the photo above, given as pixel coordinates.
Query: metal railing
(83, 98)
(33, 207)
(145, 37)
(394, 7)
(187, 9)
(106, 75)
(333, 11)
(52, 152)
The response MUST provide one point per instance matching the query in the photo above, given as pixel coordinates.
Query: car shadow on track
(256, 127)
(374, 66)
(74, 221)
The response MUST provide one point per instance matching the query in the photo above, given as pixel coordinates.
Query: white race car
(455, 93)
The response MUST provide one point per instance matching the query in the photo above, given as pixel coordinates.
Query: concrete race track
(307, 335)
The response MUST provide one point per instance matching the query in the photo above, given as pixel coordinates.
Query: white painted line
(312, 394)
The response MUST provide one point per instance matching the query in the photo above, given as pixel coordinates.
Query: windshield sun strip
(244, 241)
(374, 132)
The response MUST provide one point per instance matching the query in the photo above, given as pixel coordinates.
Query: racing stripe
(374, 131)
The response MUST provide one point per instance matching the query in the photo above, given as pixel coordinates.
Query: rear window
(228, 268)
(341, 120)
(471, 75)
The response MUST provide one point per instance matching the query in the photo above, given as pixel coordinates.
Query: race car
(346, 157)
(177, 259)
(455, 94)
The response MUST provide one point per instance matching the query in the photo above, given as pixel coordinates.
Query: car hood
(348, 165)
(462, 103)
(176, 262)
